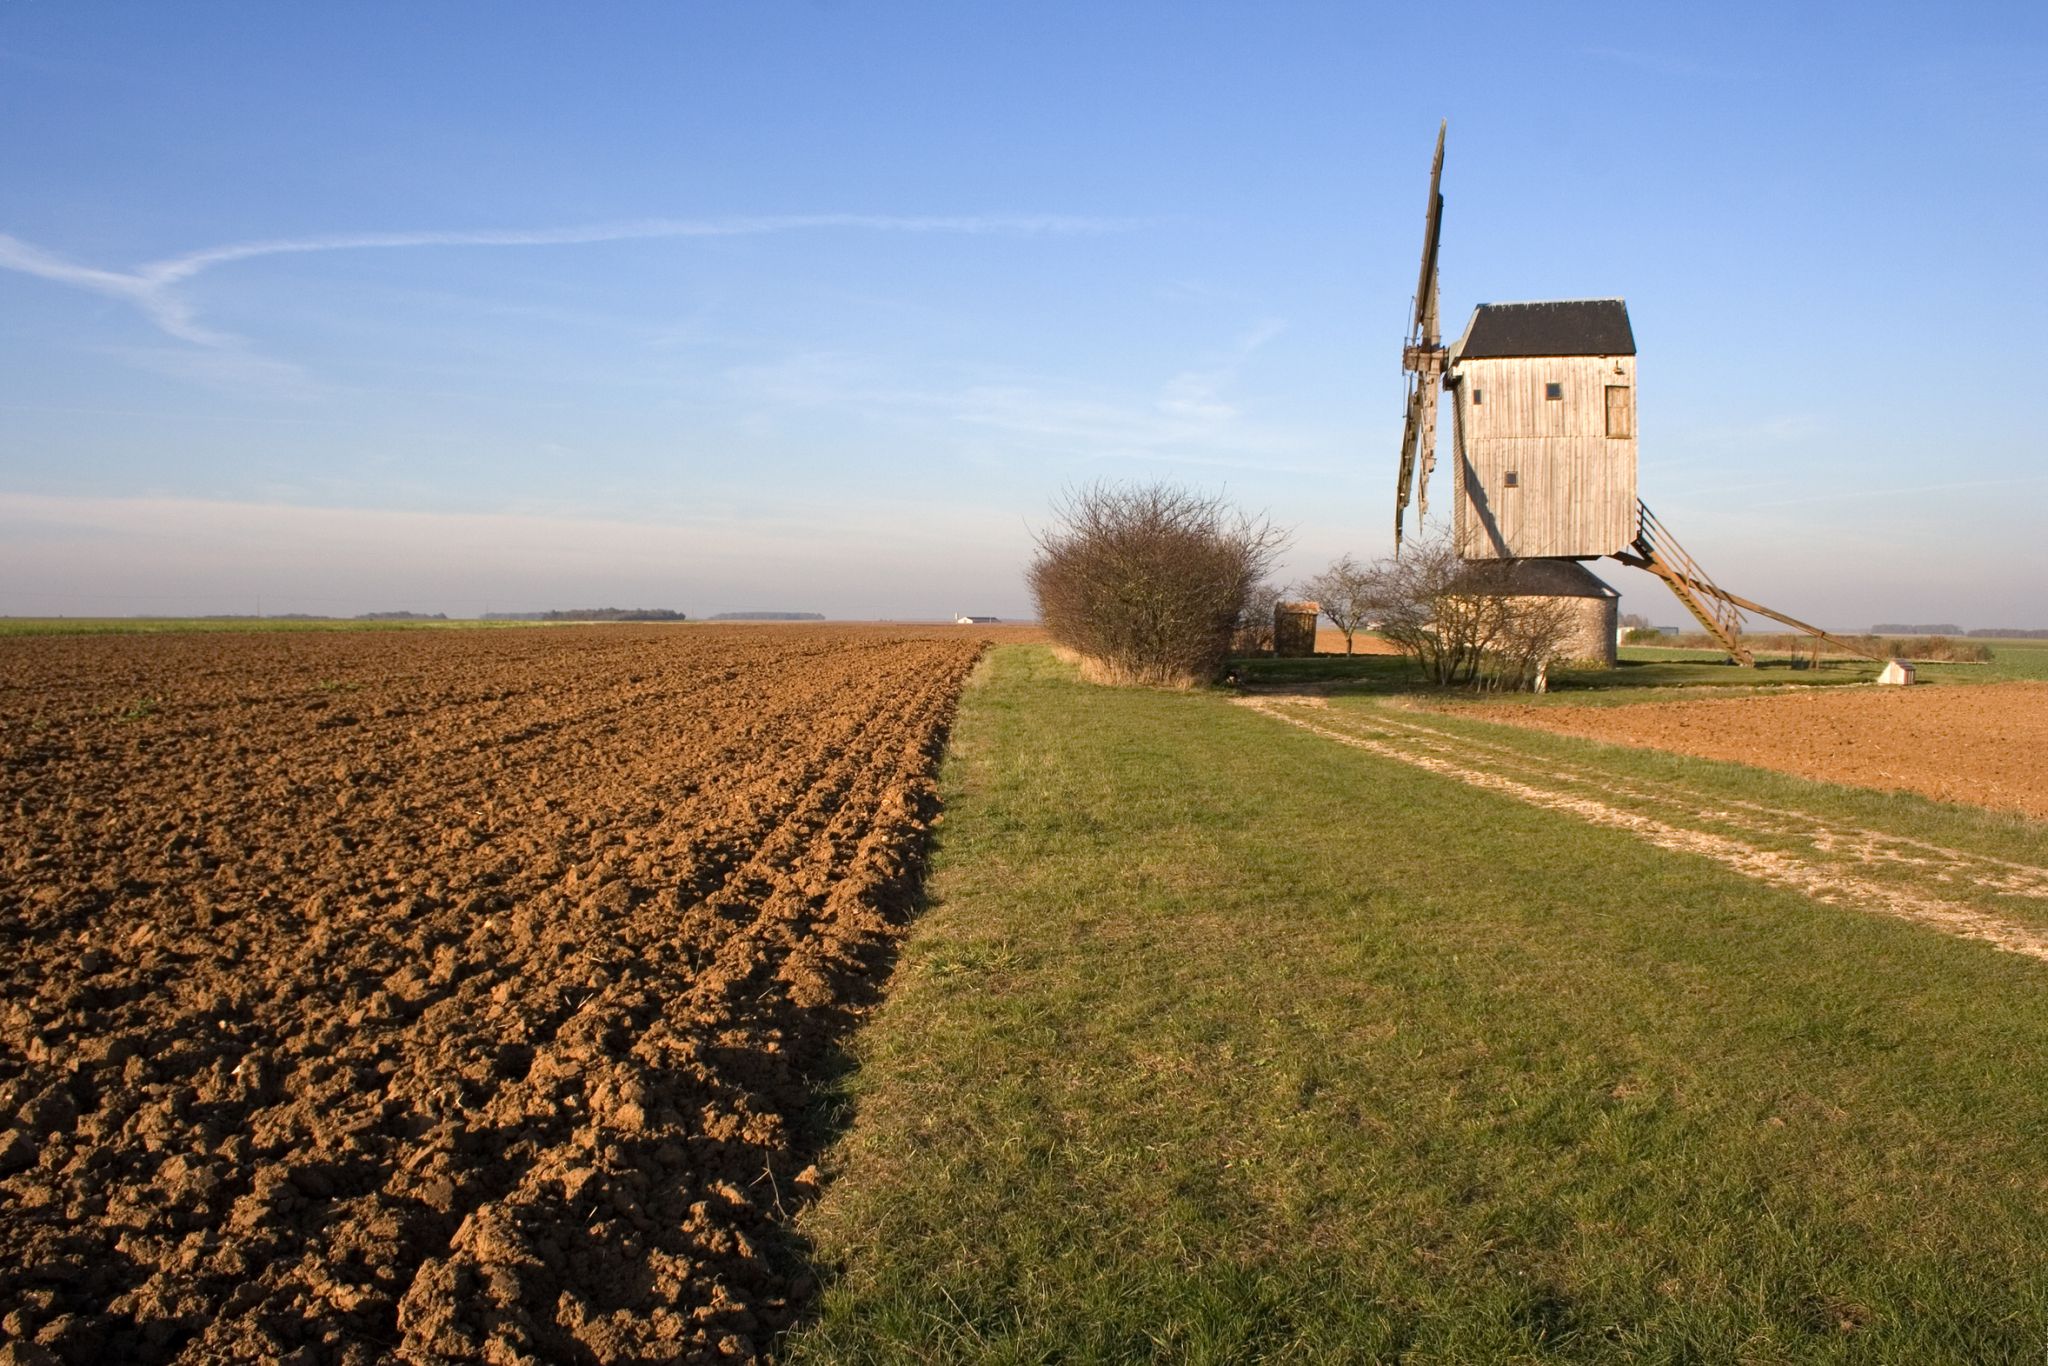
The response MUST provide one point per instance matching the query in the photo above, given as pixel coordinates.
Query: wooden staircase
(1658, 551)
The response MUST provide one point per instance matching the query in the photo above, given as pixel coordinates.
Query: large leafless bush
(1254, 633)
(1424, 603)
(1147, 582)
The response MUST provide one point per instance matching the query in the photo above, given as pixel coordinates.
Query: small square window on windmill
(1553, 391)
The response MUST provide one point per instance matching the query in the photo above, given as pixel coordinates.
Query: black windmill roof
(1569, 327)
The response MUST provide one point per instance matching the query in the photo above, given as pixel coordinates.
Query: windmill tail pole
(1746, 605)
(1656, 551)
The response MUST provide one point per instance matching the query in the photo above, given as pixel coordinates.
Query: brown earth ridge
(1983, 745)
(439, 996)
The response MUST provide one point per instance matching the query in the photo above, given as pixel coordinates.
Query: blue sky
(465, 307)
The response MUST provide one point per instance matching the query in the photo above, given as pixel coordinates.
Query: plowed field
(1986, 745)
(446, 995)
(1330, 641)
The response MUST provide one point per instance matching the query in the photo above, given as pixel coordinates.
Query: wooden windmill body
(1543, 402)
(1543, 405)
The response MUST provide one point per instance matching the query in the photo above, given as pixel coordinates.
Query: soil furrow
(479, 1026)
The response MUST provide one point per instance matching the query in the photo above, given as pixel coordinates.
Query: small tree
(1146, 582)
(1433, 606)
(1344, 592)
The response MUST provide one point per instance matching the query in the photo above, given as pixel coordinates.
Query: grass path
(1222, 1042)
(1690, 820)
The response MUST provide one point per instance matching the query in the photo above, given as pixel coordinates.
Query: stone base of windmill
(1898, 673)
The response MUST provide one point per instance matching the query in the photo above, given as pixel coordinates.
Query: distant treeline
(1981, 633)
(402, 616)
(767, 616)
(592, 614)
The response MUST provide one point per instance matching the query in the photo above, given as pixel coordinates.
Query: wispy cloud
(1189, 420)
(1718, 489)
(1199, 395)
(1850, 495)
(234, 370)
(153, 287)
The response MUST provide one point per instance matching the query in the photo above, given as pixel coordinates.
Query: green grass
(2019, 658)
(1222, 1042)
(125, 626)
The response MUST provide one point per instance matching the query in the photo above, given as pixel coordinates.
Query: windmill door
(1618, 415)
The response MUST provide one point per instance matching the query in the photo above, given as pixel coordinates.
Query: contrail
(149, 287)
(1902, 490)
(163, 308)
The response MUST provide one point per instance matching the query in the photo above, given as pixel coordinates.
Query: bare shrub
(1531, 633)
(1344, 592)
(1148, 582)
(1254, 632)
(1462, 638)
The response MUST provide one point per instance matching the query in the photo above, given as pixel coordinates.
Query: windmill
(1543, 425)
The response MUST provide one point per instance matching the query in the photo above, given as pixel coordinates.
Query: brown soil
(1330, 641)
(1986, 745)
(439, 995)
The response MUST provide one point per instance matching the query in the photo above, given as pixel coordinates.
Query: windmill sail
(1423, 356)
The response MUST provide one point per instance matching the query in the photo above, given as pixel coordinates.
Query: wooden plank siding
(1574, 487)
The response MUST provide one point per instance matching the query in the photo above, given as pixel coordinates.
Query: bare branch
(1147, 582)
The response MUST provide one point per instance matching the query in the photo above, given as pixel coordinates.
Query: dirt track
(446, 995)
(1971, 895)
(1986, 745)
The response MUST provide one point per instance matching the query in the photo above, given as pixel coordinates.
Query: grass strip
(1222, 1042)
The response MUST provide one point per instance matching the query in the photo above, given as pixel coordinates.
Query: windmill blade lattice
(1423, 357)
